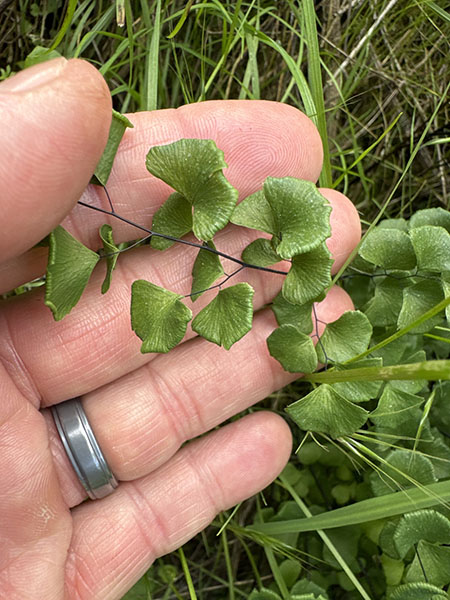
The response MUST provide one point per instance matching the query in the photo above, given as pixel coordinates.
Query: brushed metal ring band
(83, 450)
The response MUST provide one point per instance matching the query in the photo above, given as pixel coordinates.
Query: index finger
(259, 138)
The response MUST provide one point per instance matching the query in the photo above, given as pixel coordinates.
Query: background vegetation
(381, 103)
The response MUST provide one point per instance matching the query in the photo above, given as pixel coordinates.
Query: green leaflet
(402, 469)
(326, 411)
(264, 594)
(293, 349)
(206, 270)
(228, 317)
(431, 562)
(112, 254)
(292, 210)
(69, 268)
(260, 252)
(118, 125)
(393, 569)
(359, 391)
(173, 218)
(388, 248)
(308, 276)
(400, 223)
(412, 386)
(418, 591)
(193, 168)
(301, 215)
(398, 412)
(158, 316)
(428, 525)
(430, 216)
(293, 314)
(306, 586)
(255, 212)
(347, 337)
(418, 299)
(445, 280)
(432, 248)
(386, 303)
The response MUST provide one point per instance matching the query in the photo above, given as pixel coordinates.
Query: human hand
(142, 408)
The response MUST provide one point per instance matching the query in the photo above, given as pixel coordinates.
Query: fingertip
(261, 446)
(345, 225)
(56, 118)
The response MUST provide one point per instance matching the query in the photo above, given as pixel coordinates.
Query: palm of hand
(141, 407)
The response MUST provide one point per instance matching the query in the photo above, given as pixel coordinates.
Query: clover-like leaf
(398, 412)
(412, 386)
(386, 303)
(306, 586)
(158, 316)
(301, 214)
(418, 299)
(255, 212)
(388, 248)
(432, 248)
(260, 252)
(119, 124)
(430, 216)
(228, 317)
(445, 280)
(193, 168)
(326, 411)
(418, 591)
(431, 564)
(400, 224)
(402, 469)
(69, 268)
(427, 524)
(206, 270)
(112, 254)
(263, 594)
(174, 218)
(293, 349)
(308, 276)
(345, 338)
(293, 314)
(359, 391)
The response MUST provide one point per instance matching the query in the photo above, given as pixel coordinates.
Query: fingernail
(34, 76)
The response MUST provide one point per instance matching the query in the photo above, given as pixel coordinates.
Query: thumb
(54, 119)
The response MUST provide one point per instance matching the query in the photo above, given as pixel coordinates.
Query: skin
(55, 121)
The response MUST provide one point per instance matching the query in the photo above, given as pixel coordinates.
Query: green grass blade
(326, 540)
(296, 72)
(401, 332)
(315, 84)
(406, 170)
(431, 370)
(183, 18)
(187, 574)
(150, 91)
(380, 507)
(65, 25)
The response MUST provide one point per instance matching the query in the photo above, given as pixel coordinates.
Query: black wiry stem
(180, 241)
(319, 340)
(217, 285)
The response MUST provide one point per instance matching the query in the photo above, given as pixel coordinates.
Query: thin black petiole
(319, 341)
(217, 285)
(181, 241)
(113, 212)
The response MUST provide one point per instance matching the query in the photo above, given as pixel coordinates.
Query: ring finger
(143, 418)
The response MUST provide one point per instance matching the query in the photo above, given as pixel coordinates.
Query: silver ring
(83, 450)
